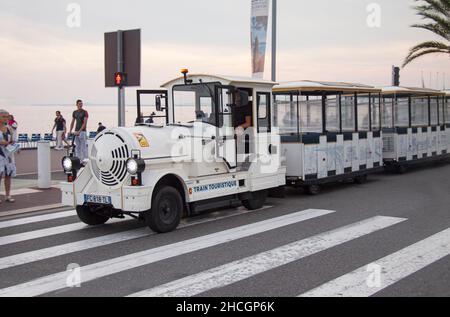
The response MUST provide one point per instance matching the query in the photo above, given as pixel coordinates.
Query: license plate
(95, 199)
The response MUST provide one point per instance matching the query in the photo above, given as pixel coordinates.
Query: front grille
(109, 155)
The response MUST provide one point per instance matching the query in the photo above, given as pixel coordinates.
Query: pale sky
(43, 61)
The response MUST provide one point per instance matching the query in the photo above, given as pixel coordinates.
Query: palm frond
(433, 28)
(413, 56)
(437, 13)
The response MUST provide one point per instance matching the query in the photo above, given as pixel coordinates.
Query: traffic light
(120, 79)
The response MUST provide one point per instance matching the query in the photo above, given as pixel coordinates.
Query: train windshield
(194, 103)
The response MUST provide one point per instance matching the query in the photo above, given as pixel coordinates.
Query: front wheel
(167, 210)
(90, 217)
(257, 200)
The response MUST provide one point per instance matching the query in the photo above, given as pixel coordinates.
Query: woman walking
(7, 166)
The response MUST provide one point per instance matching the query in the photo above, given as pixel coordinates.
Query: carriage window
(311, 114)
(402, 113)
(447, 114)
(375, 104)
(332, 109)
(363, 114)
(434, 111)
(348, 113)
(419, 111)
(263, 112)
(441, 111)
(387, 115)
(286, 116)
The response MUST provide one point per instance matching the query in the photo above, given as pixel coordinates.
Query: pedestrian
(61, 129)
(14, 126)
(101, 128)
(7, 166)
(79, 122)
(12, 123)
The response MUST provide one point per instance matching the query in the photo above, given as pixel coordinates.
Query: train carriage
(415, 126)
(329, 131)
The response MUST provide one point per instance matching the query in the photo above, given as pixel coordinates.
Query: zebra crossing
(27, 248)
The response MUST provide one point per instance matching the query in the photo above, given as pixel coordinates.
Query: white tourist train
(204, 142)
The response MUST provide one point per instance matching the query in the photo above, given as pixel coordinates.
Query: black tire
(313, 190)
(401, 169)
(361, 179)
(257, 200)
(167, 210)
(91, 218)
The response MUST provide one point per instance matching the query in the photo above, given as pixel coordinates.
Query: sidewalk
(29, 198)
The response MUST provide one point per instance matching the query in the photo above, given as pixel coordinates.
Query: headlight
(71, 164)
(135, 166)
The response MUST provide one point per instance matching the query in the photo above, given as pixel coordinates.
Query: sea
(40, 119)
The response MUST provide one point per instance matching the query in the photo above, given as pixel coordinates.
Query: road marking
(242, 269)
(98, 270)
(29, 220)
(393, 268)
(52, 252)
(44, 233)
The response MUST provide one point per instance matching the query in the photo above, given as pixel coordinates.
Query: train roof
(397, 90)
(317, 86)
(230, 80)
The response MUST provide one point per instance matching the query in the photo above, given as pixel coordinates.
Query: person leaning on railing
(7, 165)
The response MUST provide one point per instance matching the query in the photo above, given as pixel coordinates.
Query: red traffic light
(120, 79)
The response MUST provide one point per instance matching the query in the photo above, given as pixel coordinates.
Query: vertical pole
(120, 68)
(44, 165)
(274, 40)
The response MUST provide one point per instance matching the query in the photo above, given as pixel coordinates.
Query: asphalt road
(387, 237)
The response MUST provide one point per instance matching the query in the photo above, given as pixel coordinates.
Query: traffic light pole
(120, 69)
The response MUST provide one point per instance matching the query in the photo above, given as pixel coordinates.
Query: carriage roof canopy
(391, 90)
(317, 86)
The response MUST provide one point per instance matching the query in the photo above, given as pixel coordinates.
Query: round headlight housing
(135, 166)
(71, 164)
(67, 164)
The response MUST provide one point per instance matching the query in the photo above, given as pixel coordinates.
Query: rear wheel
(361, 179)
(90, 217)
(257, 200)
(166, 212)
(401, 169)
(313, 190)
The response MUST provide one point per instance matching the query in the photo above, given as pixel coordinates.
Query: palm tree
(437, 14)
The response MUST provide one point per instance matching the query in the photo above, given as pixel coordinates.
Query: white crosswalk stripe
(394, 268)
(98, 270)
(246, 268)
(83, 245)
(36, 219)
(44, 233)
